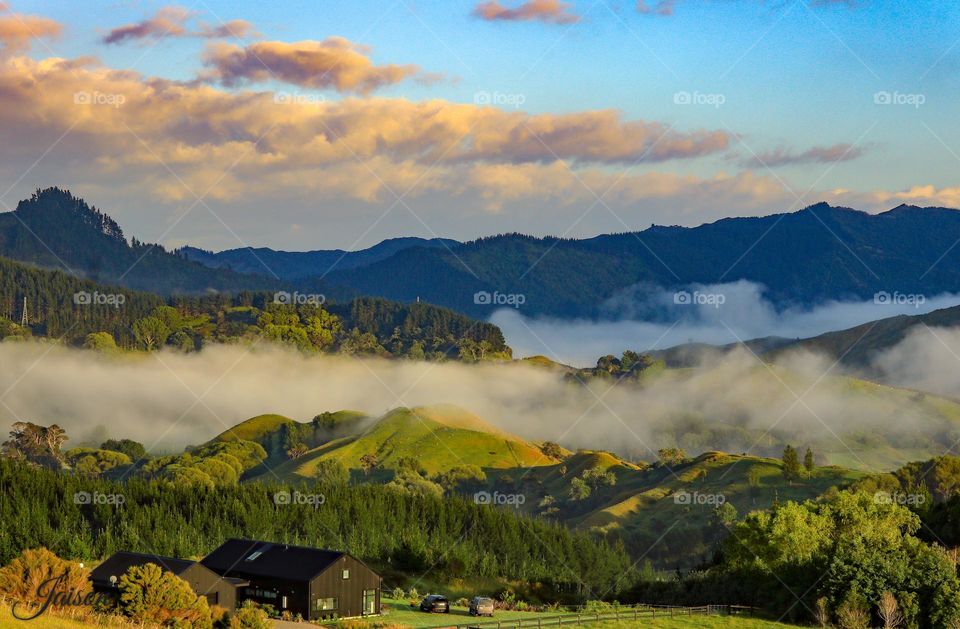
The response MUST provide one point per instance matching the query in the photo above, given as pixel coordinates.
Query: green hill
(439, 437)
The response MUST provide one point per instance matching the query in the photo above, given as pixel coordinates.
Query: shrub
(21, 578)
(397, 594)
(249, 616)
(149, 594)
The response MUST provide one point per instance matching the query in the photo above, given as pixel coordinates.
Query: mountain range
(807, 257)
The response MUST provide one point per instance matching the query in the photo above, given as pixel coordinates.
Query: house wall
(206, 582)
(297, 593)
(348, 592)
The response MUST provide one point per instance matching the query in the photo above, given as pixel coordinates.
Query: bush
(249, 616)
(22, 577)
(397, 594)
(149, 594)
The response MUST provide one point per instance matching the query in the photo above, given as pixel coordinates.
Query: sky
(306, 125)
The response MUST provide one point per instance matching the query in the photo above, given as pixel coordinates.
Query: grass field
(401, 613)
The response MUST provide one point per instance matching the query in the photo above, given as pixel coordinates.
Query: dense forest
(394, 530)
(59, 305)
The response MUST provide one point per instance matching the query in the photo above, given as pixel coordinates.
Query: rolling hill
(439, 437)
(674, 505)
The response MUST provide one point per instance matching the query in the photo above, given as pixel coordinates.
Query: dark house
(205, 582)
(317, 584)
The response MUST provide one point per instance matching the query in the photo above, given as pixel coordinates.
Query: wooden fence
(577, 619)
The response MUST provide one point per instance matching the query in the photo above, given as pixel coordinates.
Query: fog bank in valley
(169, 400)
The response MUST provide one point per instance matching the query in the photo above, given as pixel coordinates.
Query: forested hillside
(60, 305)
(395, 531)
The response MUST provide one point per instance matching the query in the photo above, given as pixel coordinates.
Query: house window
(346, 574)
(326, 604)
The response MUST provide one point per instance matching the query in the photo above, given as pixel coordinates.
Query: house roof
(118, 563)
(240, 557)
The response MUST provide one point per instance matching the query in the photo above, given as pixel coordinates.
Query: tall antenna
(23, 313)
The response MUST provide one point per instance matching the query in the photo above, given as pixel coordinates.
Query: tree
(149, 594)
(151, 333)
(671, 456)
(808, 464)
(100, 342)
(889, 612)
(133, 449)
(297, 450)
(552, 450)
(368, 462)
(332, 472)
(39, 445)
(726, 514)
(579, 489)
(791, 464)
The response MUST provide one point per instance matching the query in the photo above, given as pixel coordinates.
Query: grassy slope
(439, 437)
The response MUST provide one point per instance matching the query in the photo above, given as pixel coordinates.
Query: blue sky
(794, 77)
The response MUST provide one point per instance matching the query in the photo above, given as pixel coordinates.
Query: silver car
(481, 606)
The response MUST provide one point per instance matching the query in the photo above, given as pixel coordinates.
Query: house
(217, 590)
(314, 583)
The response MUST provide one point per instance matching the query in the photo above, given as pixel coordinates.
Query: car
(481, 606)
(435, 603)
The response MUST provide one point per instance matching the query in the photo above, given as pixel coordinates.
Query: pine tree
(791, 463)
(808, 461)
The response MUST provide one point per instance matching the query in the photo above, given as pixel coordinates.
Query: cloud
(168, 22)
(172, 21)
(733, 404)
(17, 31)
(332, 63)
(656, 7)
(551, 11)
(646, 317)
(816, 155)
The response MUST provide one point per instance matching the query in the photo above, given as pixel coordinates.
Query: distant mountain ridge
(804, 258)
(807, 257)
(54, 229)
(295, 265)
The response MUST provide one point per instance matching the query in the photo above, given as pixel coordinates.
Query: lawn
(401, 613)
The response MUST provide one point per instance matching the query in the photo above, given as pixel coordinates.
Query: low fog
(647, 318)
(168, 400)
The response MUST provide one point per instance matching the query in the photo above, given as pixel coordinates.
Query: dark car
(435, 603)
(481, 606)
